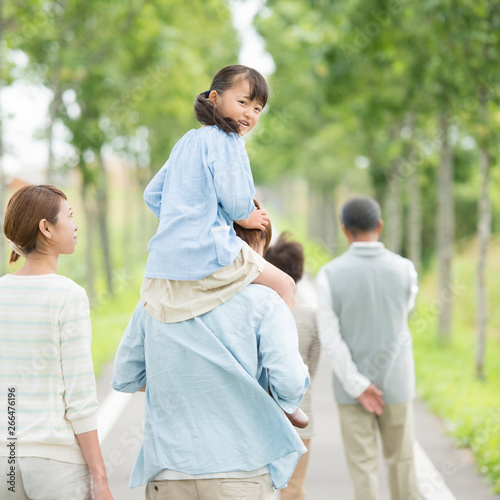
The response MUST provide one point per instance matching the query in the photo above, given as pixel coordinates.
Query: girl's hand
(258, 220)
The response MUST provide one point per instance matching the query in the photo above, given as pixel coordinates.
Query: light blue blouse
(207, 409)
(205, 185)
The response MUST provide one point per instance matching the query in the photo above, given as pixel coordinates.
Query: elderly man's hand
(372, 400)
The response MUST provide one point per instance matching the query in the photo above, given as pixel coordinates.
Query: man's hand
(258, 220)
(372, 400)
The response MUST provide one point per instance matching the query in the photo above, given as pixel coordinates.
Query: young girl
(49, 447)
(196, 261)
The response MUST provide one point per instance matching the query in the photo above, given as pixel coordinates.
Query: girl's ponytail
(13, 257)
(204, 109)
(207, 114)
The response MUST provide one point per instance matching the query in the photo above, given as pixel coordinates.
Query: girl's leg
(279, 281)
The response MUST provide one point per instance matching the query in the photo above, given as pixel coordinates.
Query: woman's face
(63, 233)
(235, 103)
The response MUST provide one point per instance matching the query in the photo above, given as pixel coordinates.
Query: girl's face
(63, 234)
(235, 103)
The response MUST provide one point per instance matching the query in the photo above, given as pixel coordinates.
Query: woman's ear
(43, 225)
(213, 96)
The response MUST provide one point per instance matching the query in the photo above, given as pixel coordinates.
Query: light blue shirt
(207, 409)
(205, 185)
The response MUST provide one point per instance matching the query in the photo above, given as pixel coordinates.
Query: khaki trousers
(45, 479)
(396, 429)
(295, 489)
(252, 488)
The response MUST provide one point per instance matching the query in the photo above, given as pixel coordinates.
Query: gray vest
(370, 288)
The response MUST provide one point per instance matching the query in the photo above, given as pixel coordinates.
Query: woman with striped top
(49, 448)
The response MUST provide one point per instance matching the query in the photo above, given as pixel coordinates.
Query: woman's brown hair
(255, 237)
(288, 256)
(205, 110)
(27, 207)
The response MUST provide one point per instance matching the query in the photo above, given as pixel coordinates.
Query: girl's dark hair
(254, 237)
(287, 256)
(205, 110)
(27, 207)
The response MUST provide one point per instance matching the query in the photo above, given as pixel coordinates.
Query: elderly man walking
(364, 297)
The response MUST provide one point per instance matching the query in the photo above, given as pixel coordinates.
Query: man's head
(361, 219)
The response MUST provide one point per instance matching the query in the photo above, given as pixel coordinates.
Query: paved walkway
(444, 472)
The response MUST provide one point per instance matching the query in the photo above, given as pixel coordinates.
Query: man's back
(205, 410)
(371, 289)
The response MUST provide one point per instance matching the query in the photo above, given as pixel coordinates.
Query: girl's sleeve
(76, 362)
(154, 190)
(129, 370)
(230, 168)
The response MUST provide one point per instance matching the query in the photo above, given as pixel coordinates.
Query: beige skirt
(170, 301)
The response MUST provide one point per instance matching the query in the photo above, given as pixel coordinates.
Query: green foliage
(445, 374)
(372, 78)
(110, 316)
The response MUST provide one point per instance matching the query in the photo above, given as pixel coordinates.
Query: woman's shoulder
(50, 283)
(72, 287)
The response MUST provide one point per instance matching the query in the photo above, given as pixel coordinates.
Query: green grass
(110, 316)
(445, 373)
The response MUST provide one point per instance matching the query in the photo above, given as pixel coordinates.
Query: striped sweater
(45, 337)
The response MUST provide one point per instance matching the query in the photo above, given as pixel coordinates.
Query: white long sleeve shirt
(45, 337)
(332, 343)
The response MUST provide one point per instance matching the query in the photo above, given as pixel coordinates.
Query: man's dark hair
(360, 215)
(287, 256)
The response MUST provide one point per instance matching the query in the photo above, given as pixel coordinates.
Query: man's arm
(279, 353)
(339, 354)
(129, 370)
(413, 287)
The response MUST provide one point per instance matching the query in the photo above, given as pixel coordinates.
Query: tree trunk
(311, 211)
(394, 211)
(102, 217)
(147, 224)
(445, 228)
(89, 222)
(54, 104)
(414, 233)
(329, 230)
(484, 233)
(3, 253)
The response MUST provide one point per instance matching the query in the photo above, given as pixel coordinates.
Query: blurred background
(393, 99)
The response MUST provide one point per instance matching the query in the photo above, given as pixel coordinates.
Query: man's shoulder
(336, 263)
(397, 259)
(262, 293)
